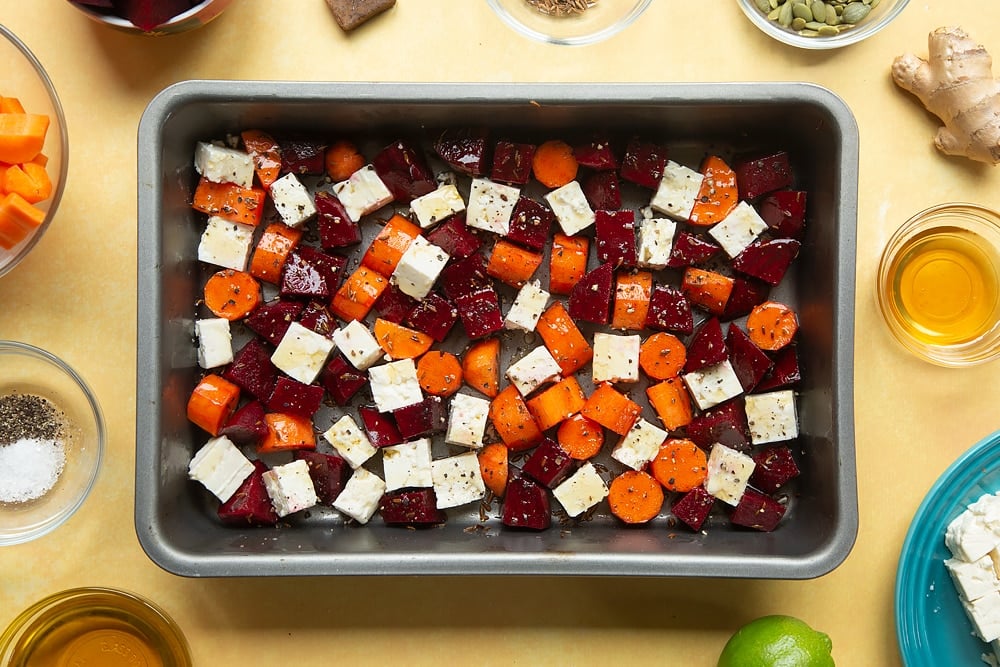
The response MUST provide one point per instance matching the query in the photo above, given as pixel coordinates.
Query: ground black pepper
(27, 416)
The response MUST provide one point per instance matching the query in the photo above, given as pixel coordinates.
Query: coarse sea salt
(29, 468)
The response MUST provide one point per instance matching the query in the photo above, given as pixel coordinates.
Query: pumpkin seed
(802, 11)
(854, 12)
(875, 3)
(798, 24)
(815, 25)
(773, 14)
(763, 5)
(785, 15)
(827, 31)
(819, 11)
(808, 33)
(773, 4)
(832, 18)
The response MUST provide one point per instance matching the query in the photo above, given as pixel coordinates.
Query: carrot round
(680, 465)
(481, 367)
(581, 437)
(212, 402)
(343, 159)
(662, 356)
(439, 373)
(493, 461)
(232, 294)
(771, 325)
(635, 496)
(554, 164)
(401, 342)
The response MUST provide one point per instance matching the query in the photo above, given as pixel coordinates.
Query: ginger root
(956, 84)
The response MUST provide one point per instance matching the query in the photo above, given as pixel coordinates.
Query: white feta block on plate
(361, 495)
(225, 243)
(640, 445)
(713, 384)
(467, 420)
(220, 467)
(728, 473)
(290, 488)
(581, 490)
(738, 229)
(616, 358)
(987, 508)
(534, 369)
(351, 442)
(302, 353)
(407, 465)
(437, 205)
(292, 200)
(771, 416)
(656, 240)
(362, 193)
(985, 616)
(215, 342)
(973, 580)
(358, 345)
(677, 192)
(968, 538)
(491, 206)
(395, 385)
(223, 165)
(418, 268)
(457, 480)
(528, 306)
(571, 208)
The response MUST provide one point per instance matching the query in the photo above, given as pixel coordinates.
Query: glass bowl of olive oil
(939, 284)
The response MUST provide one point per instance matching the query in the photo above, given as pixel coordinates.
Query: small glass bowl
(24, 77)
(193, 18)
(938, 284)
(94, 626)
(25, 369)
(877, 19)
(600, 21)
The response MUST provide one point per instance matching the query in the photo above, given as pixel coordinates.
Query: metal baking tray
(175, 518)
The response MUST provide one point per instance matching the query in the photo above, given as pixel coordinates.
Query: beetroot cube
(317, 317)
(434, 316)
(530, 223)
(455, 237)
(590, 299)
(784, 212)
(246, 425)
(767, 260)
(549, 464)
(725, 423)
(250, 505)
(512, 162)
(294, 398)
(526, 505)
(329, 265)
(301, 155)
(758, 511)
(596, 154)
(336, 229)
(694, 507)
(750, 363)
(746, 293)
(381, 430)
(480, 313)
(689, 250)
(272, 319)
(785, 371)
(760, 174)
(643, 163)
(669, 310)
(329, 473)
(422, 419)
(464, 150)
(707, 346)
(603, 191)
(302, 278)
(395, 305)
(404, 171)
(341, 380)
(411, 507)
(775, 466)
(615, 231)
(465, 277)
(252, 370)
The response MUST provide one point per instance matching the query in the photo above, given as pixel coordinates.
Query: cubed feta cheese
(395, 385)
(985, 616)
(225, 243)
(640, 445)
(215, 342)
(968, 538)
(527, 308)
(362, 193)
(656, 240)
(290, 487)
(677, 192)
(713, 384)
(571, 208)
(350, 441)
(418, 268)
(220, 467)
(457, 480)
(739, 229)
(358, 345)
(467, 420)
(361, 495)
(973, 580)
(491, 205)
(223, 165)
(771, 416)
(302, 353)
(292, 200)
(616, 358)
(581, 491)
(534, 369)
(437, 205)
(728, 473)
(407, 465)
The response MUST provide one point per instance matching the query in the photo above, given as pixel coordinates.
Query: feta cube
(491, 206)
(571, 208)
(220, 467)
(527, 308)
(969, 538)
(771, 416)
(361, 495)
(302, 353)
(713, 384)
(290, 487)
(738, 229)
(437, 205)
(677, 191)
(640, 445)
(457, 480)
(616, 358)
(395, 385)
(350, 441)
(581, 490)
(407, 465)
(225, 243)
(656, 240)
(985, 616)
(973, 580)
(467, 420)
(534, 369)
(358, 345)
(728, 473)
(419, 267)
(362, 193)
(292, 200)
(215, 342)
(220, 164)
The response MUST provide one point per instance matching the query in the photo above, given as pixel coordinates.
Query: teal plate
(931, 625)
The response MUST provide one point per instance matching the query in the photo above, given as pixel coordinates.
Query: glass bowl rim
(820, 43)
(125, 24)
(575, 40)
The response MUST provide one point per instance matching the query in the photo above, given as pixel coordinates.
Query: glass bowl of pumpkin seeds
(821, 24)
(569, 22)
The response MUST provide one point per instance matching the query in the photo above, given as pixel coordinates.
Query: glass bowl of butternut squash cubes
(33, 151)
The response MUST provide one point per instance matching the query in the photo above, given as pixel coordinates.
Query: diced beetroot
(317, 317)
(643, 163)
(526, 505)
(690, 250)
(455, 237)
(404, 171)
(767, 260)
(530, 223)
(425, 418)
(148, 14)
(669, 310)
(707, 346)
(512, 162)
(246, 426)
(784, 212)
(602, 191)
(725, 423)
(785, 371)
(341, 380)
(250, 505)
(694, 507)
(480, 313)
(302, 278)
(301, 155)
(272, 319)
(329, 473)
(381, 430)
(596, 154)
(590, 300)
(763, 173)
(294, 398)
(464, 150)
(329, 264)
(434, 316)
(395, 305)
(411, 507)
(252, 370)
(549, 464)
(750, 363)
(758, 511)
(775, 466)
(746, 293)
(336, 229)
(465, 276)
(615, 232)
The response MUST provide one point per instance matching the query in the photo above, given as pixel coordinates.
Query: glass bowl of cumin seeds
(569, 22)
(51, 442)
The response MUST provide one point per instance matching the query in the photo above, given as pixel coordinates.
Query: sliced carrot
(481, 366)
(563, 339)
(568, 262)
(513, 421)
(212, 402)
(358, 294)
(662, 355)
(389, 245)
(265, 153)
(229, 201)
(18, 218)
(557, 403)
(554, 164)
(718, 195)
(42, 160)
(632, 295)
(439, 373)
(635, 496)
(11, 105)
(232, 294)
(276, 243)
(512, 264)
(286, 432)
(343, 159)
(672, 402)
(401, 342)
(772, 325)
(493, 464)
(22, 136)
(611, 409)
(29, 180)
(581, 437)
(707, 289)
(680, 465)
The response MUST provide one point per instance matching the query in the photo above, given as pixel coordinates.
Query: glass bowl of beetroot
(164, 17)
(824, 25)
(569, 22)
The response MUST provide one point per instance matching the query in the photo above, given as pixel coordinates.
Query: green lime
(777, 641)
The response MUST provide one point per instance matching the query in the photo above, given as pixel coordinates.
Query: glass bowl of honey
(939, 284)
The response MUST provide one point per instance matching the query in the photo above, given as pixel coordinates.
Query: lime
(777, 641)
